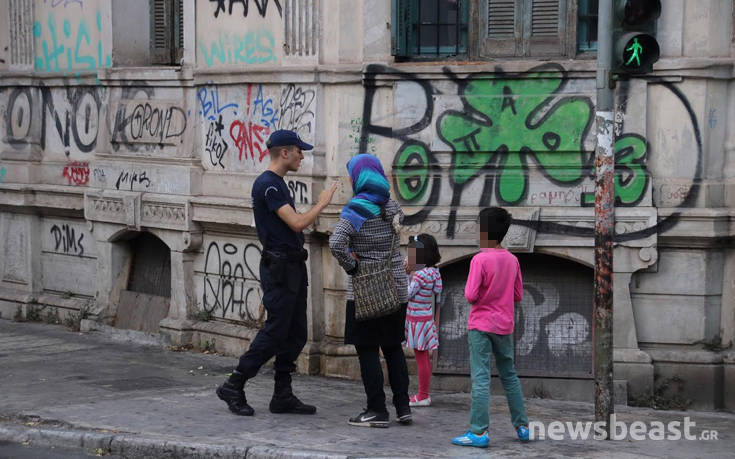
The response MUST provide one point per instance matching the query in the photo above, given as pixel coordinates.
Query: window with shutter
(399, 29)
(545, 34)
(167, 31)
(178, 31)
(523, 27)
(501, 27)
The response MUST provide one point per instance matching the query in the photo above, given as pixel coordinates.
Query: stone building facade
(132, 131)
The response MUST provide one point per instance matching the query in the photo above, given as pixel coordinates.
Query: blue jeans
(482, 344)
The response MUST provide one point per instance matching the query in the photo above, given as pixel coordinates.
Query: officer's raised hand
(325, 197)
(298, 222)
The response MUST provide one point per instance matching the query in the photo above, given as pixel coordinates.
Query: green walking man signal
(634, 35)
(636, 49)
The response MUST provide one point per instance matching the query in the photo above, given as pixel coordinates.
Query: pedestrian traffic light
(634, 35)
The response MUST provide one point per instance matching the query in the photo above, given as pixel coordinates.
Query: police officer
(282, 279)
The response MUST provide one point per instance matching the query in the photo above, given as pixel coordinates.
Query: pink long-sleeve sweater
(493, 285)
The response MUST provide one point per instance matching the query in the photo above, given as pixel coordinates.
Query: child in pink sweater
(493, 285)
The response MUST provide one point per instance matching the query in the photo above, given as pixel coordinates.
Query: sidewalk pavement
(86, 391)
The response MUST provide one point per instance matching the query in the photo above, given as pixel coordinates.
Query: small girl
(421, 334)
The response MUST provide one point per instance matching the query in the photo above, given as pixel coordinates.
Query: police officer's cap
(286, 138)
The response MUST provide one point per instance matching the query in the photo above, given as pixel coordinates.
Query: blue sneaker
(523, 433)
(470, 439)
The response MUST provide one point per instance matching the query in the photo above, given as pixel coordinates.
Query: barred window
(442, 29)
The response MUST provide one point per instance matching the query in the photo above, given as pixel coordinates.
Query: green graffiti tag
(631, 178)
(411, 170)
(506, 120)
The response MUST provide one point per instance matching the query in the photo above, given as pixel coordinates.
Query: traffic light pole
(602, 309)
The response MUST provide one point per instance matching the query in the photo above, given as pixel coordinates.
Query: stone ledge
(684, 356)
(697, 228)
(42, 196)
(630, 356)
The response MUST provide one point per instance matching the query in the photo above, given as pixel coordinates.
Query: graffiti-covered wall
(69, 35)
(239, 33)
(98, 146)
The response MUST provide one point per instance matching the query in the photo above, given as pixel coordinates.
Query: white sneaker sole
(379, 424)
(424, 402)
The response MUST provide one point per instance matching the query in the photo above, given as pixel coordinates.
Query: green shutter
(399, 27)
(500, 27)
(178, 31)
(161, 39)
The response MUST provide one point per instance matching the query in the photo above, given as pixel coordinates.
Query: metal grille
(20, 17)
(301, 27)
(441, 29)
(553, 326)
(151, 268)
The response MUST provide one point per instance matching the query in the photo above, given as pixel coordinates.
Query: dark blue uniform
(283, 281)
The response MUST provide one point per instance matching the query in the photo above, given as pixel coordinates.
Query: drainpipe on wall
(602, 309)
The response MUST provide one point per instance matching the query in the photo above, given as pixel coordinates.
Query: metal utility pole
(602, 309)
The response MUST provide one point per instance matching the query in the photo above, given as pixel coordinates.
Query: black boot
(284, 401)
(232, 393)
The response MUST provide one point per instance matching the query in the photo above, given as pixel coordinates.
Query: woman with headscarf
(365, 233)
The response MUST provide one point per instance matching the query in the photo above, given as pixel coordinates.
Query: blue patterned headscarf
(370, 187)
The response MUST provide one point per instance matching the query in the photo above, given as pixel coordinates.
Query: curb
(149, 447)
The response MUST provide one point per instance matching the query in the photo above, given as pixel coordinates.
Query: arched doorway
(147, 297)
(553, 323)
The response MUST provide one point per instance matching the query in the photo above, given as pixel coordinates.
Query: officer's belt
(288, 255)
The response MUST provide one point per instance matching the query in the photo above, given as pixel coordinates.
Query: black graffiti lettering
(99, 174)
(508, 100)
(122, 178)
(220, 7)
(65, 238)
(387, 131)
(146, 121)
(298, 191)
(470, 140)
(17, 117)
(412, 180)
(143, 179)
(80, 122)
(261, 5)
(231, 287)
(296, 112)
(132, 178)
(215, 145)
(120, 122)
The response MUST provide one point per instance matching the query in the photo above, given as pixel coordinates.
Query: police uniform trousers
(284, 284)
